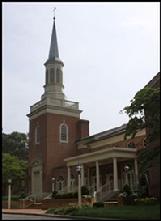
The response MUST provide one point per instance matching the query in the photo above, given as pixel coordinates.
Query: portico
(106, 157)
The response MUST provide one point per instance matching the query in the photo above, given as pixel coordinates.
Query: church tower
(54, 126)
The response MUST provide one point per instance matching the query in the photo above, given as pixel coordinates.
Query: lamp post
(126, 168)
(78, 168)
(9, 193)
(53, 183)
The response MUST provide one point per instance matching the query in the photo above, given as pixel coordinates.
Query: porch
(103, 172)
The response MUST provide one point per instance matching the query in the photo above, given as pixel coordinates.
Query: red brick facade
(50, 150)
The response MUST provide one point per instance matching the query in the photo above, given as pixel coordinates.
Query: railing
(102, 192)
(55, 102)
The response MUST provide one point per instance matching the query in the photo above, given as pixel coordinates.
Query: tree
(144, 112)
(15, 169)
(15, 143)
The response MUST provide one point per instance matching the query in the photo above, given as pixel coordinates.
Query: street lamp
(126, 169)
(78, 169)
(9, 193)
(53, 182)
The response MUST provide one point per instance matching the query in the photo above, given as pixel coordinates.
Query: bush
(66, 195)
(13, 197)
(22, 196)
(62, 211)
(54, 194)
(127, 189)
(146, 201)
(127, 197)
(98, 204)
(84, 190)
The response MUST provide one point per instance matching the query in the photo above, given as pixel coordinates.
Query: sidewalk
(39, 212)
(24, 211)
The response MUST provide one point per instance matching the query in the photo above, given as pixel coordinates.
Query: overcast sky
(109, 50)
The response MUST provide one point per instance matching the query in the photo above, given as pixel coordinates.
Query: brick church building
(59, 141)
(55, 125)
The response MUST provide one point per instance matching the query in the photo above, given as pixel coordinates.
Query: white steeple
(54, 70)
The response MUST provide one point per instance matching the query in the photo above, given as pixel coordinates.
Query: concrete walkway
(24, 211)
(39, 212)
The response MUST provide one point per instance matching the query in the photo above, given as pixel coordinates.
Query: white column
(9, 196)
(79, 190)
(115, 174)
(136, 171)
(82, 175)
(97, 176)
(69, 179)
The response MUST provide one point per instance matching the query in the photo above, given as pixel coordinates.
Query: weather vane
(54, 12)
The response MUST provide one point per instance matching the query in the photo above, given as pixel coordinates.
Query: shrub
(127, 189)
(69, 210)
(54, 194)
(62, 211)
(98, 204)
(84, 190)
(66, 195)
(146, 201)
(127, 197)
(22, 196)
(13, 197)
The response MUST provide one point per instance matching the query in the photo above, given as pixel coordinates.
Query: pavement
(39, 212)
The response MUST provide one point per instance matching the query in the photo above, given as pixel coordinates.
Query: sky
(109, 50)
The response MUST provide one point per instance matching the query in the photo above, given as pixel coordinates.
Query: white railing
(55, 102)
(102, 192)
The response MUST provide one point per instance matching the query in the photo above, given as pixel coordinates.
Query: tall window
(63, 133)
(37, 134)
(60, 184)
(58, 76)
(52, 75)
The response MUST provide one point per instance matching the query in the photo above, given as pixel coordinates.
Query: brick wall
(50, 151)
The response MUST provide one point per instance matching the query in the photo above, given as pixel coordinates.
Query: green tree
(15, 143)
(15, 169)
(144, 112)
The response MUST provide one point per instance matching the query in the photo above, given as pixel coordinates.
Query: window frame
(37, 136)
(60, 133)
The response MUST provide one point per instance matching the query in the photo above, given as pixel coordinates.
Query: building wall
(51, 152)
(113, 141)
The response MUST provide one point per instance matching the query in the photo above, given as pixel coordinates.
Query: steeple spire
(54, 52)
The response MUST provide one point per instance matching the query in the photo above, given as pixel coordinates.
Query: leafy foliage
(15, 144)
(144, 111)
(146, 158)
(15, 169)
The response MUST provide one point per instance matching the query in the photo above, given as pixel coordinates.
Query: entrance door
(94, 183)
(37, 183)
(109, 181)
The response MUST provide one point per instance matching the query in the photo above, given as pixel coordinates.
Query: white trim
(101, 155)
(61, 112)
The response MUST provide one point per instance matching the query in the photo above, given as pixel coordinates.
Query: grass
(145, 212)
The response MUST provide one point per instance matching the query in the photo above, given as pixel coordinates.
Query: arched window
(37, 134)
(63, 133)
(60, 184)
(58, 73)
(52, 75)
